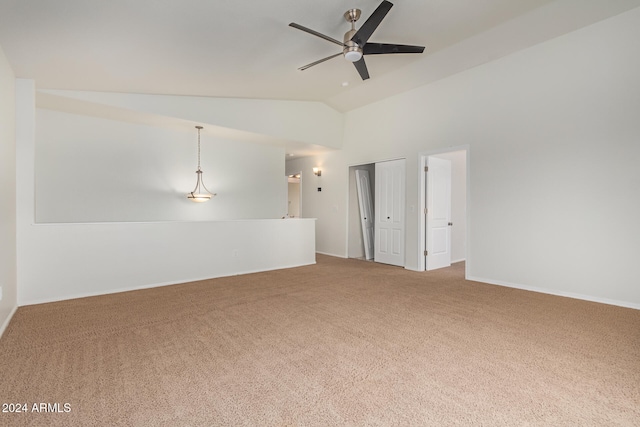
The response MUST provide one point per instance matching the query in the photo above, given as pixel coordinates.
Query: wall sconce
(317, 172)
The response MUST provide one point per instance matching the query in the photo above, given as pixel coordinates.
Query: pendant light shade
(200, 193)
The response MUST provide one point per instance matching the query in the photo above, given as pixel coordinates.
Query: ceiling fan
(355, 43)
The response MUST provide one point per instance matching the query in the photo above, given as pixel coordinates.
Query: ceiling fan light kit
(355, 42)
(352, 54)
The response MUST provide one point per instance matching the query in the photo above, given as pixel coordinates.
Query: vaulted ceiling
(240, 48)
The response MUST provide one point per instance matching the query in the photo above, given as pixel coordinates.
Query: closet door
(389, 212)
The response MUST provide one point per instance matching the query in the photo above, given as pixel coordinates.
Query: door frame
(422, 191)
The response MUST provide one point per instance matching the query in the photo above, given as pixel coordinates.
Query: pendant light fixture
(197, 195)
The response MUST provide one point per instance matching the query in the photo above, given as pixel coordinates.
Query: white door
(389, 212)
(438, 216)
(363, 184)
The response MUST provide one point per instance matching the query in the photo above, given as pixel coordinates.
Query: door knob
(388, 217)
(450, 224)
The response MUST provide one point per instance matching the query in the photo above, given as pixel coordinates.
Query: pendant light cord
(199, 128)
(199, 148)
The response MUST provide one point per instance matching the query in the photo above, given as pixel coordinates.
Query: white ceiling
(241, 48)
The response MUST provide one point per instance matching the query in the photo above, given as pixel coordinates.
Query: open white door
(438, 218)
(363, 185)
(389, 212)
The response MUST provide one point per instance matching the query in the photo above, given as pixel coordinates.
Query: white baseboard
(329, 254)
(7, 320)
(583, 297)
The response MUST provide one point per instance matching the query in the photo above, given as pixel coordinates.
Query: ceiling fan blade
(383, 48)
(361, 66)
(315, 33)
(319, 61)
(363, 34)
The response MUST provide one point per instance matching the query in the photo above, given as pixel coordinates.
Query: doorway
(355, 243)
(294, 195)
(443, 201)
(365, 203)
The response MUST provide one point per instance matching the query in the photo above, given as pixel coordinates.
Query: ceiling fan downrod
(351, 50)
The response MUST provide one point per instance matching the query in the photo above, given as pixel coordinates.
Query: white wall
(61, 261)
(65, 261)
(304, 121)
(8, 281)
(553, 132)
(329, 206)
(91, 169)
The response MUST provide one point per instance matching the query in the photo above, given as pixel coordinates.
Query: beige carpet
(343, 342)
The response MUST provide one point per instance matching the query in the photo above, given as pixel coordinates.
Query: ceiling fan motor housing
(352, 52)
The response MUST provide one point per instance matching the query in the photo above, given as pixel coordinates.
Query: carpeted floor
(343, 342)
